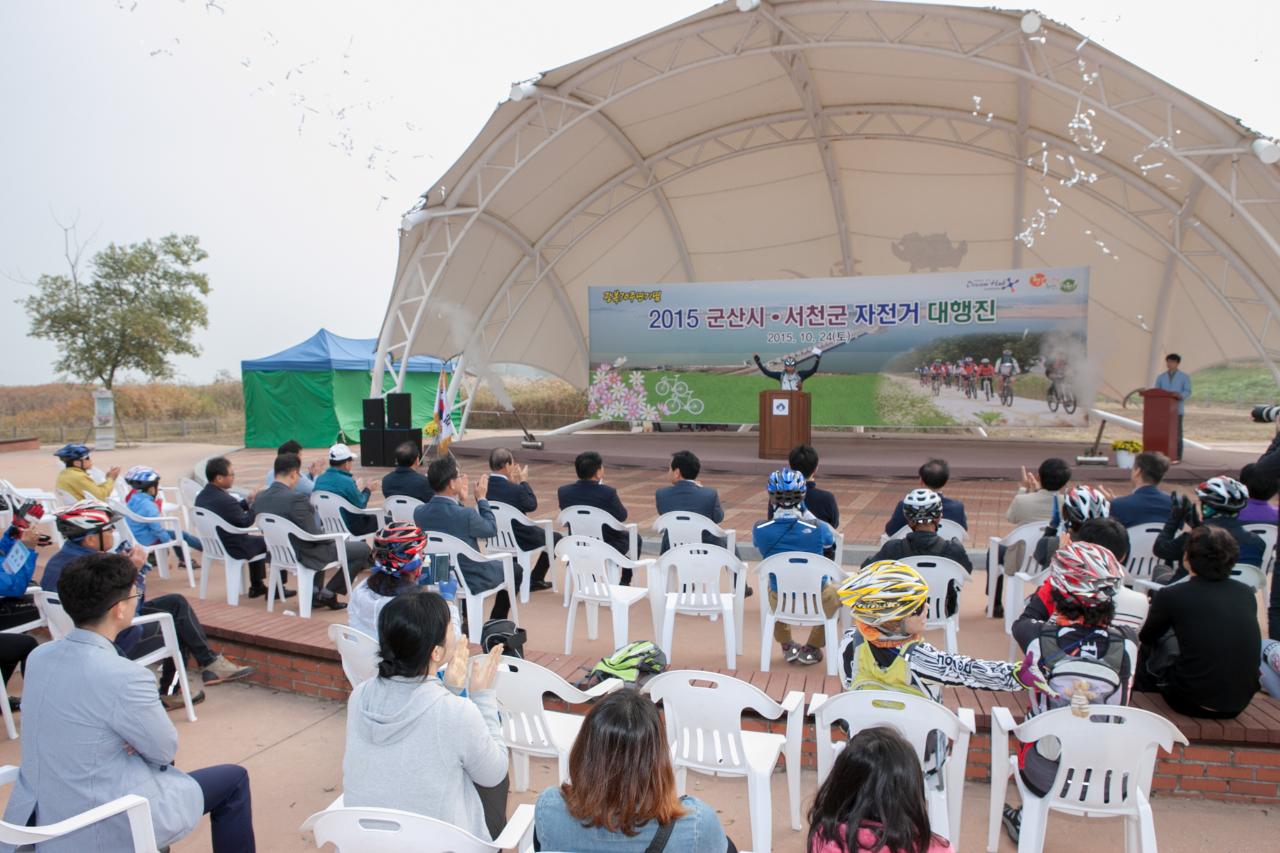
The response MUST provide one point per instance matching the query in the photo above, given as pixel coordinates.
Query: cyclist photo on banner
(1007, 368)
(1060, 391)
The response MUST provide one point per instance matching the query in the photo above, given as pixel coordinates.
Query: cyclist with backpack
(791, 530)
(922, 509)
(1084, 659)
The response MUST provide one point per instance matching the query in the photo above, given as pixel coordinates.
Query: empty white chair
(1268, 534)
(442, 543)
(161, 550)
(800, 579)
(703, 712)
(506, 517)
(915, 718)
(190, 490)
(60, 625)
(1142, 562)
(137, 809)
(359, 653)
(208, 526)
(947, 529)
(330, 508)
(591, 564)
(940, 573)
(370, 830)
(528, 727)
(1104, 770)
(1030, 534)
(697, 571)
(280, 533)
(399, 509)
(686, 528)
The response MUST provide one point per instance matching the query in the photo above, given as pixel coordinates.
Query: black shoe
(288, 593)
(539, 586)
(750, 592)
(331, 602)
(1012, 820)
(257, 590)
(15, 704)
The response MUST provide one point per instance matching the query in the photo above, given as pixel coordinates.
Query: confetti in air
(1101, 245)
(977, 108)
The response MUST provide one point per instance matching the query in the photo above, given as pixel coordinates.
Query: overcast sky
(291, 136)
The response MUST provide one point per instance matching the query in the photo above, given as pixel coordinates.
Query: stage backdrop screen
(682, 353)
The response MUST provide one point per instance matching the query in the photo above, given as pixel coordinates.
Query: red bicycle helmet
(1085, 573)
(396, 548)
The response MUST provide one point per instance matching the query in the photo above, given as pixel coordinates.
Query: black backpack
(504, 631)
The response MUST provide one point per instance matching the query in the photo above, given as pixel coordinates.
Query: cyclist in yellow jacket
(74, 479)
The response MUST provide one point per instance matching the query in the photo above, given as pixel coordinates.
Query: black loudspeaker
(371, 448)
(393, 438)
(399, 411)
(375, 414)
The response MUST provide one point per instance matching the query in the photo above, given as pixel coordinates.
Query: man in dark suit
(217, 498)
(509, 484)
(447, 513)
(818, 503)
(1147, 504)
(590, 490)
(406, 479)
(686, 494)
(934, 474)
(283, 499)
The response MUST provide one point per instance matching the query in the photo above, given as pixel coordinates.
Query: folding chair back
(359, 653)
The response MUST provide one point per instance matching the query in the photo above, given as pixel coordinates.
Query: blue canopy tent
(312, 391)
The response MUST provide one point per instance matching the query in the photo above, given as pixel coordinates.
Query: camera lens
(1265, 414)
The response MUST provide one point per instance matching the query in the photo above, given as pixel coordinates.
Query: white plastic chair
(686, 528)
(528, 727)
(60, 625)
(838, 556)
(703, 712)
(1142, 561)
(590, 571)
(398, 509)
(1251, 576)
(1131, 609)
(1268, 533)
(371, 830)
(1029, 533)
(915, 718)
(330, 507)
(137, 809)
(582, 520)
(442, 543)
(280, 533)
(1104, 770)
(161, 550)
(190, 490)
(17, 497)
(10, 728)
(697, 570)
(947, 529)
(507, 517)
(359, 653)
(940, 573)
(208, 527)
(799, 601)
(64, 498)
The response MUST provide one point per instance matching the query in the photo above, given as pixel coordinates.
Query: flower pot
(1124, 458)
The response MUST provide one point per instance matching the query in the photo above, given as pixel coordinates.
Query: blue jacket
(688, 496)
(1179, 383)
(407, 482)
(147, 532)
(446, 515)
(597, 494)
(15, 585)
(790, 533)
(341, 483)
(1146, 505)
(952, 509)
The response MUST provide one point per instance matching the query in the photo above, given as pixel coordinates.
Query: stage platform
(847, 454)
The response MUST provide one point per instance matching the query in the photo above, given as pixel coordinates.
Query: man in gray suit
(93, 730)
(686, 494)
(446, 513)
(283, 499)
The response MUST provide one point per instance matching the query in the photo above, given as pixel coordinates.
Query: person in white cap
(339, 480)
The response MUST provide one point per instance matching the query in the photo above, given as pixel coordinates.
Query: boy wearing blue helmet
(790, 530)
(144, 500)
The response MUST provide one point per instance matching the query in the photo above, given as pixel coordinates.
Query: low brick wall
(289, 671)
(13, 445)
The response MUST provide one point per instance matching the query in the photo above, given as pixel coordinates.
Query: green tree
(138, 308)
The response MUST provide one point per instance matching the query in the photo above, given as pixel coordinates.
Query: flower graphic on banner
(610, 396)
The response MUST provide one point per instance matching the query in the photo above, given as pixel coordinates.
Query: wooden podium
(784, 422)
(1160, 421)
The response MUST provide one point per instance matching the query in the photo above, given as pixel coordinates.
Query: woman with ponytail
(415, 742)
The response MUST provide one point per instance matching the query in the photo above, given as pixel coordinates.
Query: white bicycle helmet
(1083, 503)
(1224, 495)
(921, 506)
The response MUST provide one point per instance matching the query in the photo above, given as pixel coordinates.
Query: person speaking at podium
(790, 378)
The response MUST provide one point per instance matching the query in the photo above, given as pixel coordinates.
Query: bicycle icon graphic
(679, 396)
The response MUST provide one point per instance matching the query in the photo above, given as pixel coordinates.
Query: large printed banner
(894, 350)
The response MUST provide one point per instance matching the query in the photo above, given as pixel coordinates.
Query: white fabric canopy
(812, 138)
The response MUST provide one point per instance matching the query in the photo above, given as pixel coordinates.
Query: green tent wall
(312, 392)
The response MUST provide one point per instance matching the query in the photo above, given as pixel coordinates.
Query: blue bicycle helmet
(69, 453)
(141, 477)
(786, 487)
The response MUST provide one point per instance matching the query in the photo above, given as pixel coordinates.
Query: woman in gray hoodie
(414, 742)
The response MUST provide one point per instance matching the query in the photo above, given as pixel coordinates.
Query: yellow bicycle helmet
(884, 591)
